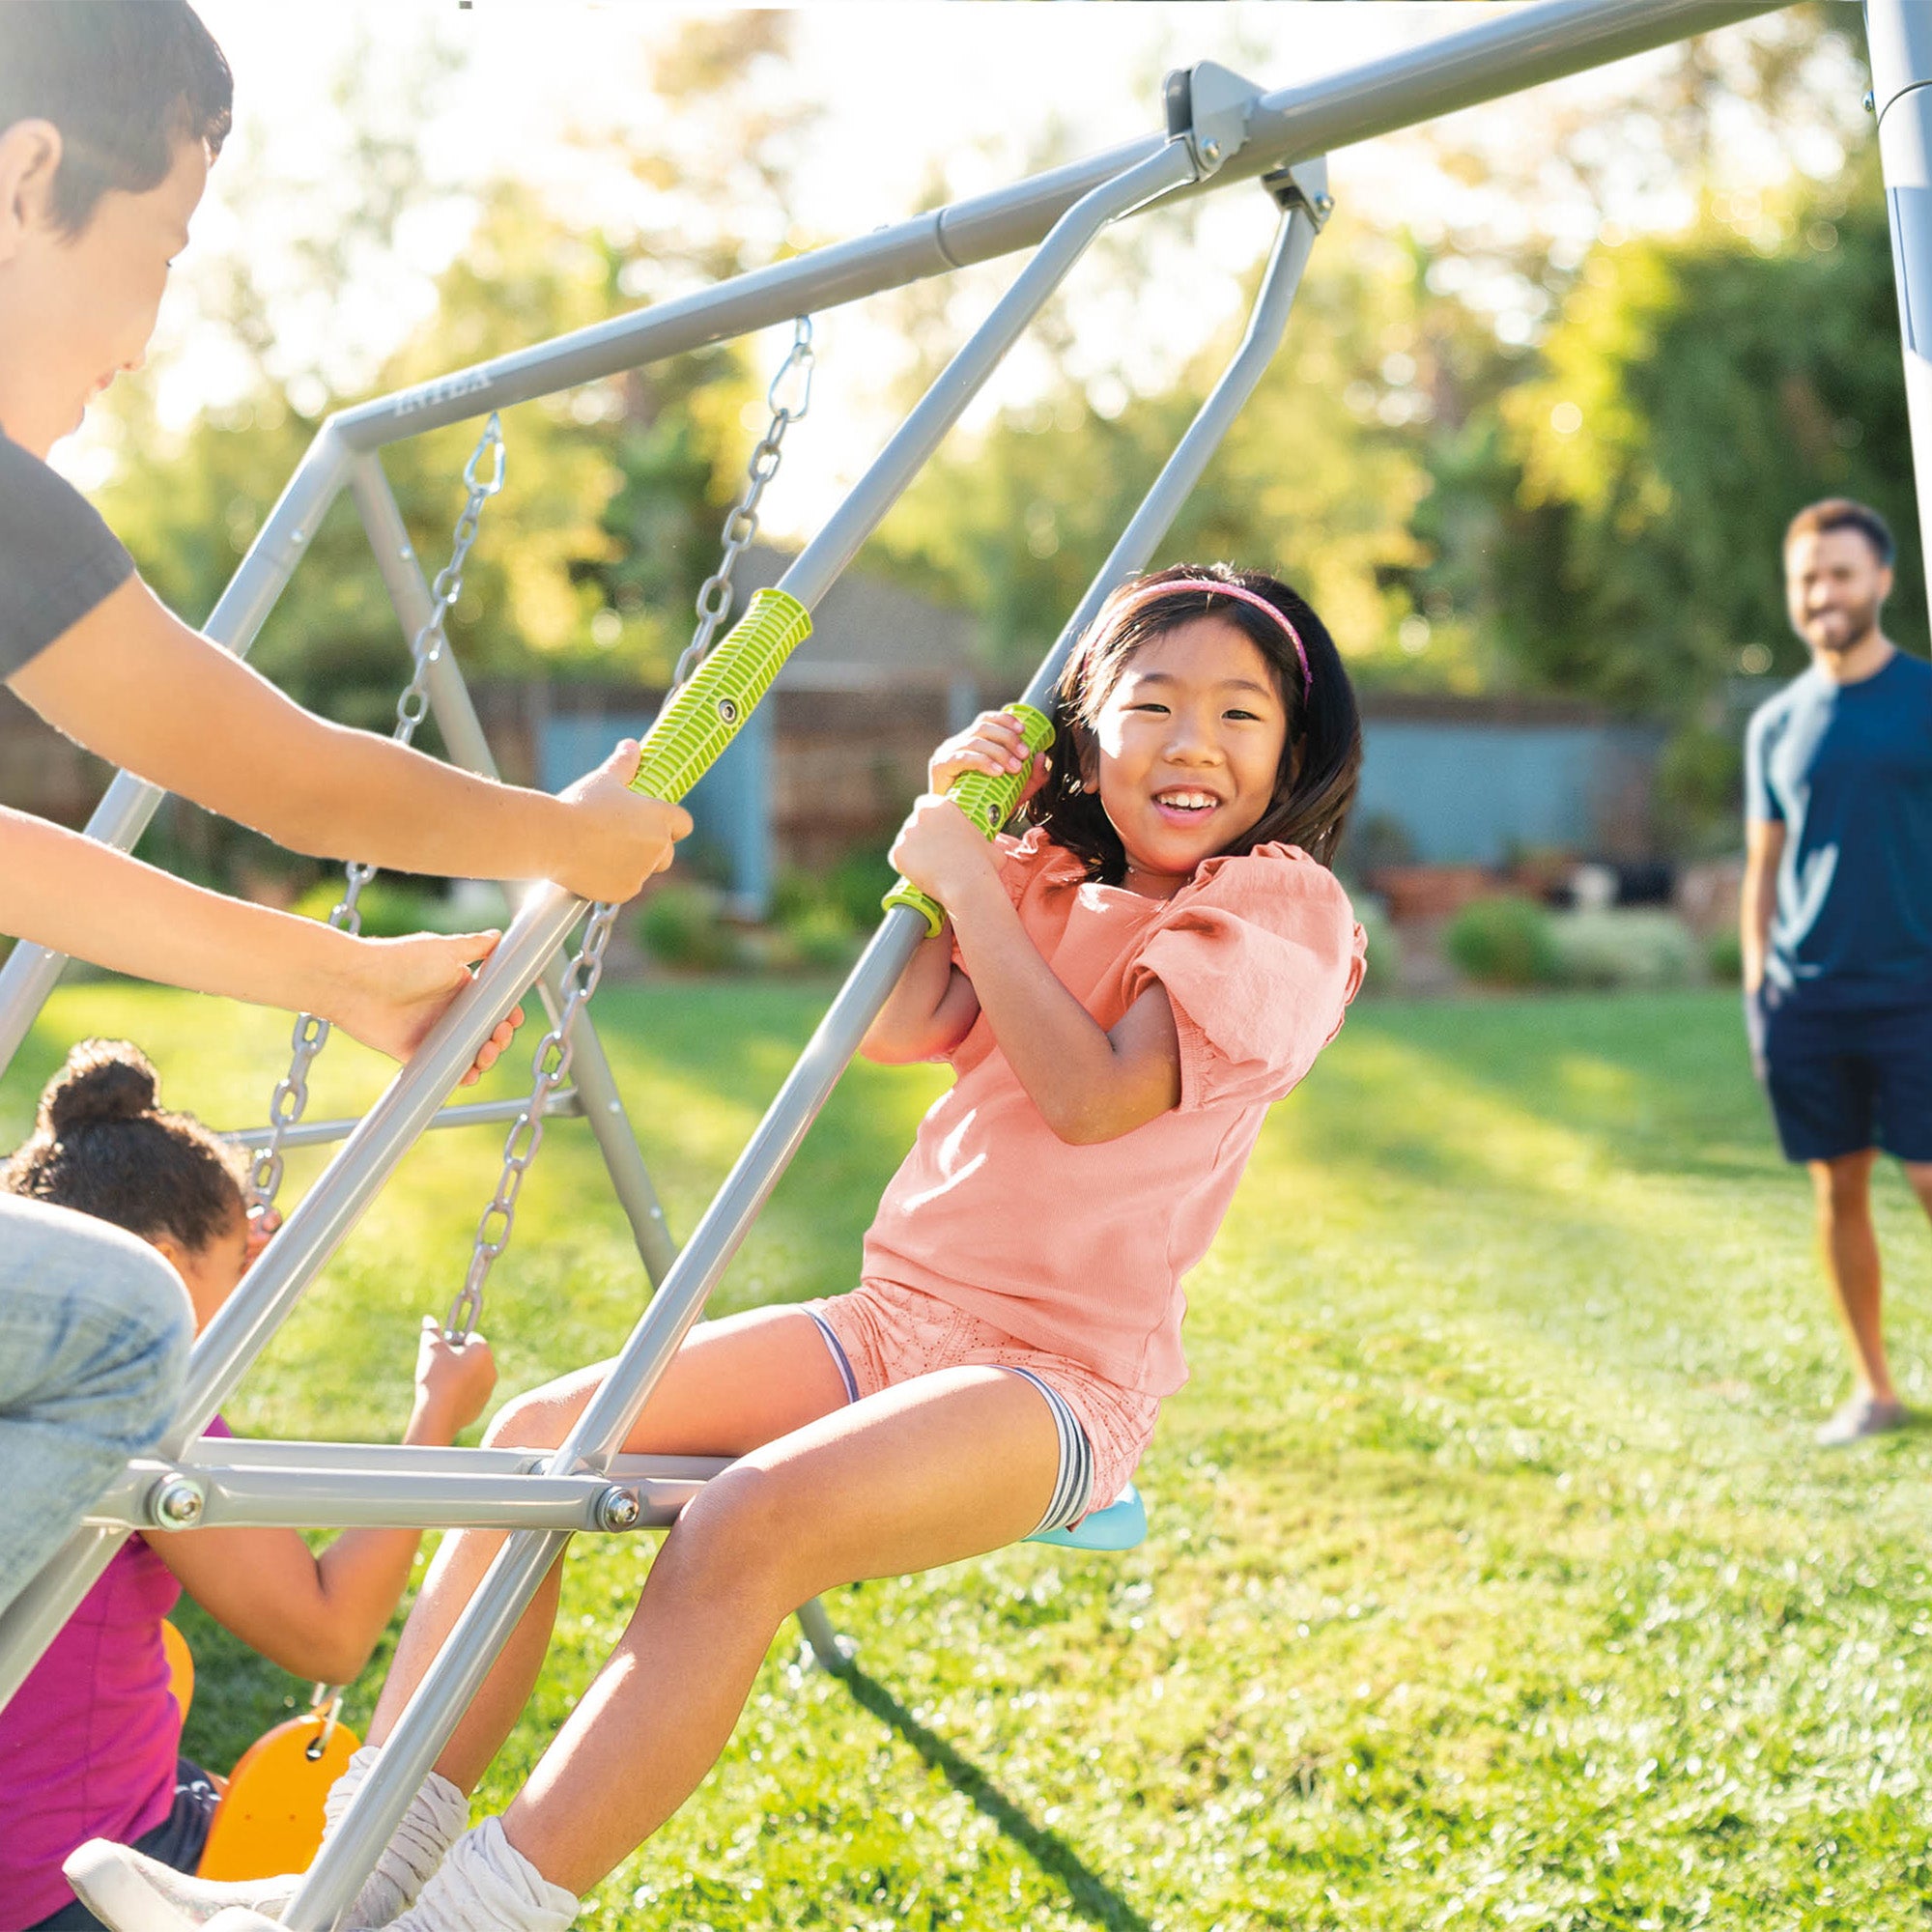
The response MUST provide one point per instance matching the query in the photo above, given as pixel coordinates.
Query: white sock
(127, 1890)
(435, 1820)
(486, 1884)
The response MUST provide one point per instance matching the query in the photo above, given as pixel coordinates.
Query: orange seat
(181, 1665)
(270, 1819)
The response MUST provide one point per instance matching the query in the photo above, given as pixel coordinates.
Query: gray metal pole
(130, 803)
(602, 1106)
(1521, 47)
(1899, 36)
(563, 1103)
(458, 1671)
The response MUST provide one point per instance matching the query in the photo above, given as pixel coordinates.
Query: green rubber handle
(988, 802)
(706, 710)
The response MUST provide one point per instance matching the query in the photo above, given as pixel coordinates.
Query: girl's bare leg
(945, 1466)
(734, 1385)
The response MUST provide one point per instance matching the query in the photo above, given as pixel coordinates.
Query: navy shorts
(1843, 1082)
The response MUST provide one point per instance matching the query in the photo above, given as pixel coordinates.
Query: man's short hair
(1842, 513)
(126, 82)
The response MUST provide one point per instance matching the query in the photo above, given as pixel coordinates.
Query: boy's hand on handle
(404, 987)
(994, 743)
(616, 837)
(453, 1380)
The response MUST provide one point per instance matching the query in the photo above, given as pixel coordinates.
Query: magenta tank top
(88, 1743)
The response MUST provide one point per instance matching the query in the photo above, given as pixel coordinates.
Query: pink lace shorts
(882, 1334)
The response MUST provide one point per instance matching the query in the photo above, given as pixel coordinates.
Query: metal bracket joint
(1208, 107)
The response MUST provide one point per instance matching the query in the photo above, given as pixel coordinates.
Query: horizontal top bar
(1519, 48)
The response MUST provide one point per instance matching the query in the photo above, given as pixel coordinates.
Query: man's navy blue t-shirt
(1847, 770)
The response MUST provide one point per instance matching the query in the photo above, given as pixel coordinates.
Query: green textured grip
(987, 801)
(706, 710)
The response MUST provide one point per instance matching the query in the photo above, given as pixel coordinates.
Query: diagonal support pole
(463, 734)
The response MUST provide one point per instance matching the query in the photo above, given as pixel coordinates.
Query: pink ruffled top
(1081, 1250)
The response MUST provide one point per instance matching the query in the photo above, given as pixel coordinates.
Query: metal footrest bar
(403, 1457)
(472, 1114)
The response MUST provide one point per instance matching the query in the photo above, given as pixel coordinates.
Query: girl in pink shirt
(1121, 993)
(90, 1742)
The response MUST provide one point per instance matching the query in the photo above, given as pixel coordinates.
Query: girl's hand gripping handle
(706, 710)
(987, 801)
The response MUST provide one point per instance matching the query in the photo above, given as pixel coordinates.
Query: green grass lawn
(1494, 1580)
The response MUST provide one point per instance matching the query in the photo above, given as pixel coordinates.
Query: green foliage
(1014, 527)
(1624, 947)
(1724, 955)
(1384, 954)
(1699, 781)
(1695, 391)
(1492, 1580)
(822, 939)
(390, 908)
(857, 884)
(681, 925)
(1504, 942)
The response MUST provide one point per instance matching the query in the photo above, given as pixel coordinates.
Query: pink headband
(1145, 593)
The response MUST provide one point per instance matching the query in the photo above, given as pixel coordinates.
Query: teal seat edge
(1121, 1526)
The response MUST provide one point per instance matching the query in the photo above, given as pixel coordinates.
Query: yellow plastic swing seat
(270, 1819)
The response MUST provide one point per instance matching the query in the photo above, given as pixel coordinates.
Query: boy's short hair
(1842, 513)
(126, 82)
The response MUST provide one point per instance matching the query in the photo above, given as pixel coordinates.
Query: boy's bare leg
(734, 1385)
(946, 1466)
(1848, 1244)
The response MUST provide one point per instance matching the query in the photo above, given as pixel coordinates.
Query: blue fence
(730, 804)
(1467, 792)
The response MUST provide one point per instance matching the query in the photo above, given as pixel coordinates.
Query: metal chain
(311, 1032)
(551, 1063)
(741, 526)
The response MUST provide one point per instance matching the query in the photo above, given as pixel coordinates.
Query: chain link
(789, 397)
(549, 1066)
(311, 1033)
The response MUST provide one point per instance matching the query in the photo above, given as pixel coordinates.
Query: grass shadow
(1089, 1893)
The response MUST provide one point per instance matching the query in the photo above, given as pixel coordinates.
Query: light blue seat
(1121, 1526)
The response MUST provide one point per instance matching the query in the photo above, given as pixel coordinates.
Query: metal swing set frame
(1219, 129)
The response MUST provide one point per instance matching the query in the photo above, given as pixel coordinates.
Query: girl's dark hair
(126, 81)
(1322, 754)
(103, 1145)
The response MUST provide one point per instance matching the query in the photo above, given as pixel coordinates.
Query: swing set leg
(828, 1650)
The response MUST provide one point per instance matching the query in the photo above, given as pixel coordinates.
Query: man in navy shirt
(1837, 916)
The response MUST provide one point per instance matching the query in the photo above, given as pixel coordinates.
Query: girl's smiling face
(1186, 748)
